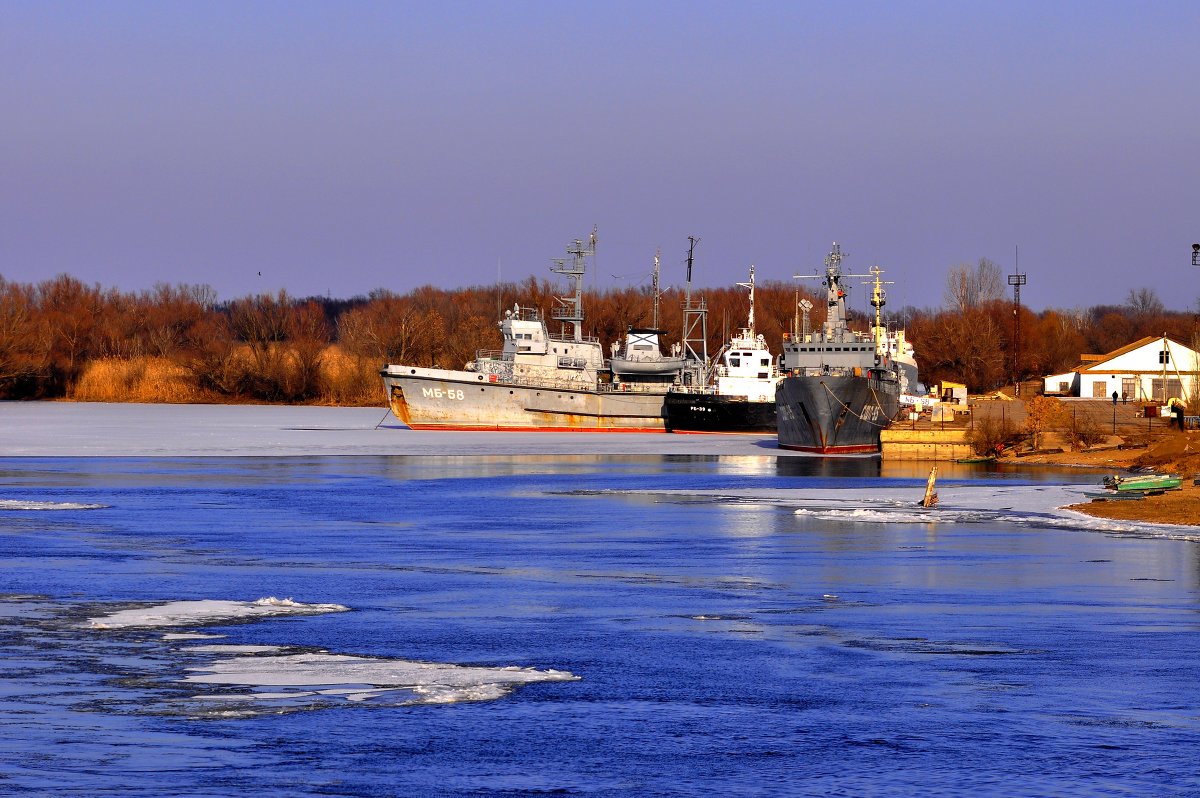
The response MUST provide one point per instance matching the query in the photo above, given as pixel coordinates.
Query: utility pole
(1016, 280)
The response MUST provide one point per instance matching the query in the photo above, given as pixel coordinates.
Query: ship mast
(657, 295)
(569, 309)
(878, 300)
(695, 317)
(750, 285)
(835, 328)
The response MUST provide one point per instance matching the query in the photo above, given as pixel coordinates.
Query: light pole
(1196, 254)
(1016, 281)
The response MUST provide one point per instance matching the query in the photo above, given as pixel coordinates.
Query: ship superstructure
(840, 386)
(537, 380)
(740, 394)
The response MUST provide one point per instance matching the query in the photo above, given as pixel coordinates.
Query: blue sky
(341, 147)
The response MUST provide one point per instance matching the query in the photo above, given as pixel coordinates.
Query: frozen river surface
(594, 615)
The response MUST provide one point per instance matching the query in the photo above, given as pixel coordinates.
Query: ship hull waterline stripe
(492, 428)
(855, 449)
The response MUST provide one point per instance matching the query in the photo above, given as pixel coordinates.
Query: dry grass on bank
(344, 380)
(349, 381)
(146, 379)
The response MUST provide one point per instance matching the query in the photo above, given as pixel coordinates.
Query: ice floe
(190, 636)
(281, 678)
(355, 678)
(231, 648)
(22, 504)
(877, 516)
(207, 611)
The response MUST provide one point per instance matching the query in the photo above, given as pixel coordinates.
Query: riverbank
(1177, 453)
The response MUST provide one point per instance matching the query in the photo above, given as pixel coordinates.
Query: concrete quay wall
(898, 443)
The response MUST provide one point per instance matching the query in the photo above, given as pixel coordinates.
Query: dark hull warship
(840, 387)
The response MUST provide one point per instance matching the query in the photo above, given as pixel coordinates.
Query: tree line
(63, 338)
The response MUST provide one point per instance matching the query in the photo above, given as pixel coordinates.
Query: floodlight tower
(1016, 280)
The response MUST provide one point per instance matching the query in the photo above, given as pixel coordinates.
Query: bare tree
(1144, 302)
(25, 340)
(969, 287)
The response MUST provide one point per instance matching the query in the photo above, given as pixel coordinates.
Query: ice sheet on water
(207, 611)
(1024, 505)
(288, 677)
(878, 516)
(280, 678)
(231, 648)
(23, 504)
(190, 636)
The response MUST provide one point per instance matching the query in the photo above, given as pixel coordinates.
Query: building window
(1099, 390)
(1174, 389)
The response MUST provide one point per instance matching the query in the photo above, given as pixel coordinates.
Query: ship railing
(565, 314)
(824, 371)
(527, 314)
(567, 339)
(500, 369)
(545, 377)
(643, 357)
(489, 354)
(636, 387)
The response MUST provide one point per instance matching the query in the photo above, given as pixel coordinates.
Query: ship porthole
(481, 378)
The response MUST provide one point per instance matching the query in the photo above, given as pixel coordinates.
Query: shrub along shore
(62, 338)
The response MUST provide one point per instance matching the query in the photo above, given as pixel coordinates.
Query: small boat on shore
(1144, 483)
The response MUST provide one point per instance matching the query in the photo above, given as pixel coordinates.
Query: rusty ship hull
(440, 399)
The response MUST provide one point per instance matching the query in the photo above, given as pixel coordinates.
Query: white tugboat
(538, 381)
(741, 395)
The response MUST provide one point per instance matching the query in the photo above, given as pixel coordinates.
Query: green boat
(1144, 483)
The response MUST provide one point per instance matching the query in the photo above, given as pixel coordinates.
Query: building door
(1128, 388)
(1099, 390)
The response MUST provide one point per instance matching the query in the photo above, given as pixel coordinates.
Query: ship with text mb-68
(543, 381)
(841, 387)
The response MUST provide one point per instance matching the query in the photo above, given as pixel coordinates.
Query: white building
(1149, 370)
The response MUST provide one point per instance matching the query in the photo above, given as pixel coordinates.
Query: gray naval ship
(841, 387)
(542, 381)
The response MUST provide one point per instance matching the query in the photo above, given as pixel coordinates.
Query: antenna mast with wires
(695, 316)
